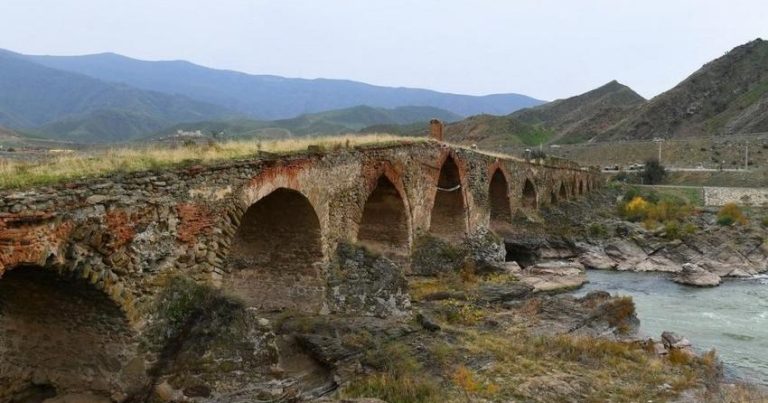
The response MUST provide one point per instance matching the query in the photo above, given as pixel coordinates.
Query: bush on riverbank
(731, 214)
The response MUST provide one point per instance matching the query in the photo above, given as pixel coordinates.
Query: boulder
(696, 276)
(554, 276)
(597, 260)
(673, 340)
(658, 263)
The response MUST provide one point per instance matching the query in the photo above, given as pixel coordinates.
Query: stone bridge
(82, 263)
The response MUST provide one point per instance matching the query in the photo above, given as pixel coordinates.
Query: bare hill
(583, 116)
(567, 120)
(726, 96)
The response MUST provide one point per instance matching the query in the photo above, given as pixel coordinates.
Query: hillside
(581, 117)
(267, 97)
(491, 132)
(573, 119)
(726, 96)
(331, 122)
(35, 96)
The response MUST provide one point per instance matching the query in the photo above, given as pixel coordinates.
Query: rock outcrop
(694, 275)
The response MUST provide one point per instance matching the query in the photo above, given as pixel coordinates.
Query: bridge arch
(529, 195)
(448, 218)
(581, 187)
(563, 192)
(60, 334)
(385, 225)
(276, 252)
(498, 199)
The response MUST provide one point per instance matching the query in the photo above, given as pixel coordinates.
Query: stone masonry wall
(127, 233)
(718, 196)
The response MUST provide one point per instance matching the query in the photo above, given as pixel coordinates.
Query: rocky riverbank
(697, 247)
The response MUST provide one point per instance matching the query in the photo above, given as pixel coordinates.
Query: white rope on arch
(453, 189)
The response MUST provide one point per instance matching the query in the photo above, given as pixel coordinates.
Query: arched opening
(59, 335)
(529, 195)
(274, 255)
(563, 192)
(553, 198)
(581, 187)
(501, 213)
(449, 218)
(384, 227)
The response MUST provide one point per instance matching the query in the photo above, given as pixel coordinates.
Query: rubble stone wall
(127, 233)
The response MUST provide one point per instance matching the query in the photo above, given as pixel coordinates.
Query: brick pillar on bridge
(436, 129)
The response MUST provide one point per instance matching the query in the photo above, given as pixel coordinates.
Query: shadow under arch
(385, 223)
(448, 218)
(274, 258)
(59, 334)
(529, 195)
(498, 197)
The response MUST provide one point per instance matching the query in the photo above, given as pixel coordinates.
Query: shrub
(597, 230)
(636, 209)
(672, 230)
(399, 377)
(731, 214)
(764, 221)
(653, 172)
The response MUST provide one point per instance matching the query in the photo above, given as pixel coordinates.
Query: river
(731, 318)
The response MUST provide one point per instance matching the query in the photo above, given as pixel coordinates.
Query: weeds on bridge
(18, 174)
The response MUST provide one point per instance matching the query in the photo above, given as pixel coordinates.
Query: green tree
(653, 172)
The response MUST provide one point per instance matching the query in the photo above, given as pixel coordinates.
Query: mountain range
(726, 96)
(112, 98)
(108, 97)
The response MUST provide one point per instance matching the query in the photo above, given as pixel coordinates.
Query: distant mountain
(346, 120)
(726, 96)
(69, 106)
(573, 119)
(581, 117)
(271, 97)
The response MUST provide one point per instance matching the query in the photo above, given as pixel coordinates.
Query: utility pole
(746, 156)
(659, 152)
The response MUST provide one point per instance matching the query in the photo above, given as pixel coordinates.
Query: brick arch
(275, 253)
(499, 203)
(55, 323)
(386, 223)
(449, 214)
(43, 242)
(529, 194)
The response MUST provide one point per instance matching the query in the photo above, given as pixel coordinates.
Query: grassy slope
(581, 117)
(491, 132)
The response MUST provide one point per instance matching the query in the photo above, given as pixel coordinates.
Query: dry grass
(528, 367)
(16, 174)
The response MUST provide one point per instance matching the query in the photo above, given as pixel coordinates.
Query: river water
(731, 318)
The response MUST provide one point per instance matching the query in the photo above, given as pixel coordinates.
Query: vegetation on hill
(579, 118)
(79, 108)
(271, 97)
(726, 96)
(331, 122)
(491, 132)
(573, 119)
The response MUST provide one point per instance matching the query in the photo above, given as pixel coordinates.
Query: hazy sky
(546, 49)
